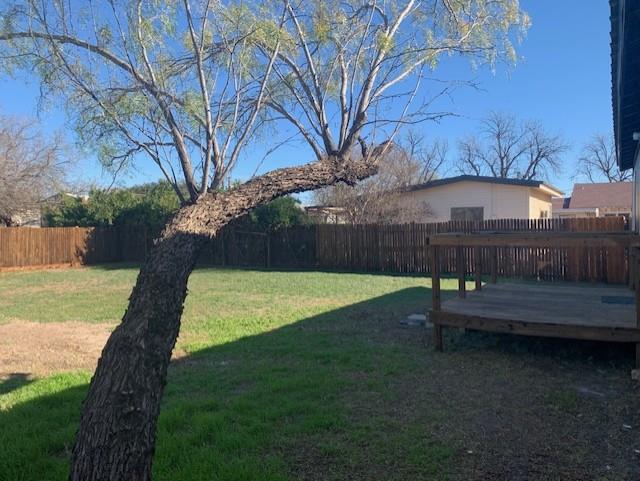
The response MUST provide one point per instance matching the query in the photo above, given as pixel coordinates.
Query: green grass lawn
(280, 371)
(310, 376)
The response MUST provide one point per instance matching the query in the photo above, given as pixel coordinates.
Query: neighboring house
(32, 216)
(625, 79)
(595, 200)
(324, 214)
(468, 197)
(28, 217)
(57, 199)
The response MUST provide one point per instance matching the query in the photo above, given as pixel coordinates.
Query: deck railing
(627, 242)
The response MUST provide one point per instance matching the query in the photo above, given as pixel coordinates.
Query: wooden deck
(573, 311)
(576, 311)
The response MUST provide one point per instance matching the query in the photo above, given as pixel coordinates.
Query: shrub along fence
(374, 248)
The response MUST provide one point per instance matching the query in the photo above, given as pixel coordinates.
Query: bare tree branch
(409, 162)
(32, 167)
(598, 161)
(507, 149)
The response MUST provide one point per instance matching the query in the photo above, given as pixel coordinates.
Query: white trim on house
(579, 212)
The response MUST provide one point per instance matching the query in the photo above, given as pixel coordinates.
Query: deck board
(572, 305)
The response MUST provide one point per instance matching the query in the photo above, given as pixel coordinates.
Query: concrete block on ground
(416, 320)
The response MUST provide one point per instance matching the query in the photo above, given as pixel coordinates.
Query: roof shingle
(607, 195)
(481, 178)
(560, 203)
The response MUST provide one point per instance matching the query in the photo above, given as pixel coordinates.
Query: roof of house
(322, 207)
(625, 78)
(560, 203)
(490, 180)
(607, 195)
(58, 197)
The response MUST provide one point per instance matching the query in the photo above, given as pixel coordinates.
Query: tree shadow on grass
(347, 394)
(14, 381)
(262, 407)
(114, 266)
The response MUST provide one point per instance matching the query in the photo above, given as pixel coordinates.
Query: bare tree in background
(429, 158)
(189, 84)
(32, 167)
(411, 161)
(507, 148)
(598, 161)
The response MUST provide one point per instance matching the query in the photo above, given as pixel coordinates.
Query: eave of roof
(577, 210)
(625, 78)
(490, 180)
(321, 207)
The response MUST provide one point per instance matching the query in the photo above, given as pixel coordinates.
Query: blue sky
(563, 81)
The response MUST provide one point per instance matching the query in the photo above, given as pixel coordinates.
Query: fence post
(223, 251)
(631, 267)
(435, 278)
(435, 297)
(460, 260)
(494, 264)
(478, 267)
(268, 241)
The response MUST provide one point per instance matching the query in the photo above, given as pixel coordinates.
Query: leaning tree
(190, 84)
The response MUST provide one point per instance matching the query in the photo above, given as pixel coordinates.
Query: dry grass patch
(40, 349)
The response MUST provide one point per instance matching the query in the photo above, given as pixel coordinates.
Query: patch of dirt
(39, 349)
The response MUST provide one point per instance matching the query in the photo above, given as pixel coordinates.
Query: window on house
(467, 213)
(544, 214)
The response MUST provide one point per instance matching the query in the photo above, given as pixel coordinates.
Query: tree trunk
(116, 437)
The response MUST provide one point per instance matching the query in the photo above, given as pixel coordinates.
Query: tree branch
(216, 209)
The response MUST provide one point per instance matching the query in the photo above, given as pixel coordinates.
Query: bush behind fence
(372, 248)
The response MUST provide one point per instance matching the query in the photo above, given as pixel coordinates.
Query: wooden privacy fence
(373, 248)
(286, 248)
(27, 246)
(404, 248)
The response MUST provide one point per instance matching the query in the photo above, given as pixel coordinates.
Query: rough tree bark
(116, 437)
